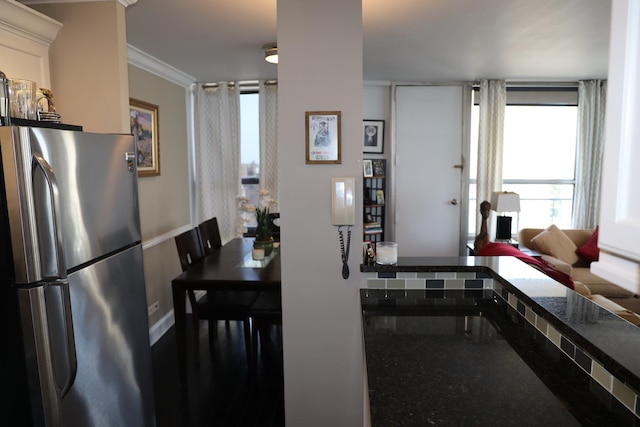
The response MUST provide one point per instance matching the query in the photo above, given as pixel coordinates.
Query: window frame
(563, 94)
(250, 90)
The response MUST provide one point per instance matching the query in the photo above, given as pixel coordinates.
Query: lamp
(504, 201)
(271, 53)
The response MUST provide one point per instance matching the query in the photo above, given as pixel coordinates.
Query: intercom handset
(343, 213)
(343, 201)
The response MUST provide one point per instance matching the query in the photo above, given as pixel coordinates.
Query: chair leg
(247, 341)
(196, 327)
(213, 326)
(254, 347)
(265, 339)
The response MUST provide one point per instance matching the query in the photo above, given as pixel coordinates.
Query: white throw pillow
(552, 241)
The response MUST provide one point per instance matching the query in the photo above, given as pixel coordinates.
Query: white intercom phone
(343, 201)
(343, 213)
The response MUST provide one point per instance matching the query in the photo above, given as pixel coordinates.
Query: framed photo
(378, 167)
(380, 197)
(367, 168)
(143, 118)
(322, 137)
(367, 245)
(373, 136)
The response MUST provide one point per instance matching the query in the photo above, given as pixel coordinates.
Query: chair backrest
(189, 247)
(210, 234)
(274, 221)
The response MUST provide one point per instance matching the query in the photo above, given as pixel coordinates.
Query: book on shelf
(373, 231)
(373, 224)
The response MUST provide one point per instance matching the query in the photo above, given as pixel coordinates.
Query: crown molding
(28, 23)
(125, 3)
(153, 65)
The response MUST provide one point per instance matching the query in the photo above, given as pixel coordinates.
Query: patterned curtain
(269, 138)
(590, 141)
(493, 101)
(217, 155)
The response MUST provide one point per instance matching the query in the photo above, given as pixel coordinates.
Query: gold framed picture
(322, 137)
(143, 119)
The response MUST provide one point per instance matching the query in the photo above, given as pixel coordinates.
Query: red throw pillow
(502, 249)
(589, 250)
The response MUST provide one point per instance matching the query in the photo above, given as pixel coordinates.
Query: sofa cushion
(582, 289)
(552, 241)
(617, 309)
(598, 285)
(589, 250)
(502, 249)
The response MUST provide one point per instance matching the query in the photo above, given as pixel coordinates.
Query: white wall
(320, 69)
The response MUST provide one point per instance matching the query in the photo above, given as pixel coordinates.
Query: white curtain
(590, 141)
(217, 155)
(269, 138)
(493, 101)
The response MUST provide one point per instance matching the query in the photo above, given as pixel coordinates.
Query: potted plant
(264, 238)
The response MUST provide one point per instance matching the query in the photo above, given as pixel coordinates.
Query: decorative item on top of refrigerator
(24, 100)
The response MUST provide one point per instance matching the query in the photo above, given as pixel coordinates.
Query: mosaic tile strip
(613, 386)
(428, 280)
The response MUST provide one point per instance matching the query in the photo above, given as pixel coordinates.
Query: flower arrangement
(247, 210)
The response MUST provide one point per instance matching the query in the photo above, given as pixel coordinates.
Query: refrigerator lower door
(112, 379)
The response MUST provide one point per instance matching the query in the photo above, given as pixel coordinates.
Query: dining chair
(210, 233)
(265, 312)
(215, 305)
(274, 222)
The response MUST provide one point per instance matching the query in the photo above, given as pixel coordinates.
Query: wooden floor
(220, 391)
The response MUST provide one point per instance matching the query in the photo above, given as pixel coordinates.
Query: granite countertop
(614, 342)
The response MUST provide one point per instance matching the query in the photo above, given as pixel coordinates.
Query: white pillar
(320, 69)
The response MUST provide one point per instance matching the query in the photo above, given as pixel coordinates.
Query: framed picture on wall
(373, 136)
(143, 119)
(322, 136)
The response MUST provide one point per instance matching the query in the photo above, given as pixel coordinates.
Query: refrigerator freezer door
(112, 379)
(96, 195)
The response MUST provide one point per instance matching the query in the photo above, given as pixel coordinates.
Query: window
(250, 144)
(538, 156)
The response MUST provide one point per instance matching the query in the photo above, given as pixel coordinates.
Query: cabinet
(374, 201)
(25, 37)
(620, 206)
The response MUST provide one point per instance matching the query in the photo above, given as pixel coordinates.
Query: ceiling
(404, 40)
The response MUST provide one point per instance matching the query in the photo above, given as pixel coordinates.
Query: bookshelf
(374, 193)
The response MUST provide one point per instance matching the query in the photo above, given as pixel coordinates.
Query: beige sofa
(560, 252)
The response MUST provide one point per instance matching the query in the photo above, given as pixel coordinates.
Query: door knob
(454, 201)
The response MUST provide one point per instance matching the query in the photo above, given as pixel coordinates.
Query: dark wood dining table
(225, 269)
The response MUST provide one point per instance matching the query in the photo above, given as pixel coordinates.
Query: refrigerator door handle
(54, 214)
(61, 338)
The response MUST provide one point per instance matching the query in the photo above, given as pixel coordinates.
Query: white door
(428, 140)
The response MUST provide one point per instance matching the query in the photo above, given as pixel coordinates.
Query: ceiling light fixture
(271, 53)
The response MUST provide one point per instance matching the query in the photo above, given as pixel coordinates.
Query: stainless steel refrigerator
(74, 327)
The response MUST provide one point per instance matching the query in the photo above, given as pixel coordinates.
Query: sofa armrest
(558, 264)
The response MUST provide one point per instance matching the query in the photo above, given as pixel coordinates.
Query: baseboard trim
(161, 327)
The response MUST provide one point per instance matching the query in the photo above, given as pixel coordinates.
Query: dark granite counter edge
(488, 265)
